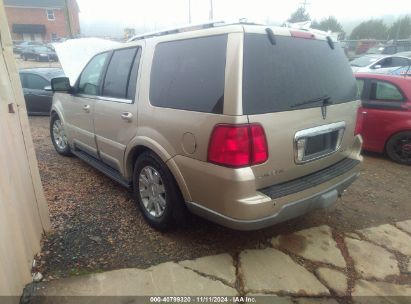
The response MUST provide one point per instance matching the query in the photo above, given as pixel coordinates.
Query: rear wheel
(58, 136)
(157, 193)
(399, 148)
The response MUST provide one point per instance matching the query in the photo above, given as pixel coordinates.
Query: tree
(371, 29)
(401, 29)
(300, 15)
(329, 24)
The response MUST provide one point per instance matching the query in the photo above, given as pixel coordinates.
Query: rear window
(294, 71)
(189, 74)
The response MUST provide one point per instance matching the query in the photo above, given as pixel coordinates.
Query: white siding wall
(23, 208)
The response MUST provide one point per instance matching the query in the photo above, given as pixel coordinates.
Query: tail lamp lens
(238, 145)
(360, 121)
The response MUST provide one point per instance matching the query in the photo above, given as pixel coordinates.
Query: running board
(102, 167)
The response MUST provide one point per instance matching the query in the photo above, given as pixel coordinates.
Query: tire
(166, 208)
(399, 148)
(58, 136)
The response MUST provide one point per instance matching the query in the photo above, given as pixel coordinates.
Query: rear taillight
(360, 121)
(238, 145)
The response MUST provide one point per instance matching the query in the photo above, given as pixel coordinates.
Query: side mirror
(377, 66)
(60, 84)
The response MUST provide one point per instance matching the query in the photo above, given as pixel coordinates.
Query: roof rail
(186, 28)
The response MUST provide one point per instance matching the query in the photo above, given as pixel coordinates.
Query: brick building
(42, 20)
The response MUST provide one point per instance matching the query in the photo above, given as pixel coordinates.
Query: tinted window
(35, 82)
(23, 80)
(294, 71)
(189, 74)
(118, 72)
(385, 91)
(91, 75)
(360, 85)
(131, 90)
(398, 61)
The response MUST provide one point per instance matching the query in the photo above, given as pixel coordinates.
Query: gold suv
(245, 125)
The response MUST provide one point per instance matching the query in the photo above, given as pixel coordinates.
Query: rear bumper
(288, 211)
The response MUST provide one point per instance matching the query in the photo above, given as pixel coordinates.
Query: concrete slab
(270, 270)
(334, 279)
(315, 244)
(405, 225)
(220, 266)
(365, 288)
(166, 279)
(371, 261)
(390, 237)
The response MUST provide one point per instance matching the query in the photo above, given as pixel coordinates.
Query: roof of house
(35, 3)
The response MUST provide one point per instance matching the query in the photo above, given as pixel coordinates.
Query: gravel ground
(97, 227)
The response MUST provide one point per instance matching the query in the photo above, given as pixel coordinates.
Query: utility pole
(304, 4)
(211, 10)
(189, 11)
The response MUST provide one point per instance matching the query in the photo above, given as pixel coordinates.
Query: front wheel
(58, 136)
(156, 192)
(399, 148)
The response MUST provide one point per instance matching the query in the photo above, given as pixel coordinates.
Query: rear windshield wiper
(324, 99)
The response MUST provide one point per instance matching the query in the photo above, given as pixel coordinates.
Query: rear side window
(360, 86)
(118, 73)
(189, 74)
(385, 91)
(288, 75)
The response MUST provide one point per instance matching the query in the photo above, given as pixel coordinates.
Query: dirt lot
(96, 225)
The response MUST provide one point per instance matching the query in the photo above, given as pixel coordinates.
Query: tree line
(370, 29)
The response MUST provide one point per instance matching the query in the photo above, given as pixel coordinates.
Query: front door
(79, 108)
(38, 100)
(115, 113)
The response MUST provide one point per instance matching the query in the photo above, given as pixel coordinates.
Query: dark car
(36, 88)
(39, 53)
(386, 115)
(19, 47)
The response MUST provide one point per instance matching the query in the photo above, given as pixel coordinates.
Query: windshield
(363, 61)
(314, 70)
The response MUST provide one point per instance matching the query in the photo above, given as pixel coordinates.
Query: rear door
(38, 100)
(382, 103)
(79, 108)
(115, 112)
(303, 93)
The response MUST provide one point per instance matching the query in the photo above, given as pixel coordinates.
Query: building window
(50, 14)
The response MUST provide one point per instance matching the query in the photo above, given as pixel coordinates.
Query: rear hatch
(302, 91)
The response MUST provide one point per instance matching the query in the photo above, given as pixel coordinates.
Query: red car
(385, 115)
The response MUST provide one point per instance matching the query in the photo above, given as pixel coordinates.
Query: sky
(111, 17)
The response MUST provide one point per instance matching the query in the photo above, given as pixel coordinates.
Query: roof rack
(190, 27)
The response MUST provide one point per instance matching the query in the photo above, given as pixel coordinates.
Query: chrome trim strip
(113, 99)
(104, 98)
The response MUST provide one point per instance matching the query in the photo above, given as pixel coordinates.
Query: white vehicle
(380, 64)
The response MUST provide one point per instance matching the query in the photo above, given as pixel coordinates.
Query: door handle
(127, 116)
(86, 108)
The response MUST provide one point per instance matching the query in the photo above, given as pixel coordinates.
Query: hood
(74, 54)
